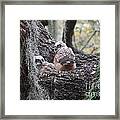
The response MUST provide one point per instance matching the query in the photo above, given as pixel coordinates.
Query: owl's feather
(65, 59)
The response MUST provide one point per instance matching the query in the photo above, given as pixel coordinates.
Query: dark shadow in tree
(68, 32)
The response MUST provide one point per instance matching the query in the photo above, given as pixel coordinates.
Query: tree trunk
(68, 32)
(52, 27)
(34, 40)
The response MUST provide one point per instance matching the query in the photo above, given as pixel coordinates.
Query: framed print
(60, 59)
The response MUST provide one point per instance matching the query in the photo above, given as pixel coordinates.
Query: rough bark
(80, 84)
(34, 40)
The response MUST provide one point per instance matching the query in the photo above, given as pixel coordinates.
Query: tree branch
(89, 40)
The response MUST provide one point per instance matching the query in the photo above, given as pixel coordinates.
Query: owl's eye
(38, 61)
(42, 60)
(59, 46)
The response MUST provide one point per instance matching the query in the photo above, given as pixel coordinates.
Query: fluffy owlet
(45, 68)
(64, 58)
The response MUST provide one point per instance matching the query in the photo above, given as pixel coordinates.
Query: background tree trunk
(68, 32)
(52, 28)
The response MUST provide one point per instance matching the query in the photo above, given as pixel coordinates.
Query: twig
(94, 49)
(89, 40)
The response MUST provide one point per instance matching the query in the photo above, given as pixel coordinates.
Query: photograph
(60, 59)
